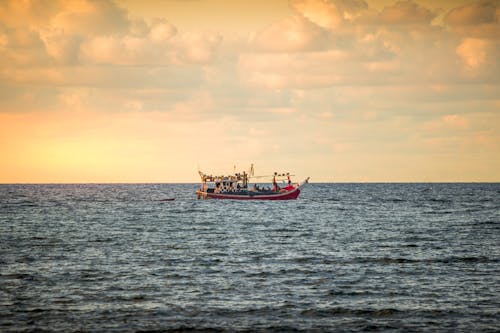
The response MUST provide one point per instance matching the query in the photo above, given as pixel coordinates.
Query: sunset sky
(341, 91)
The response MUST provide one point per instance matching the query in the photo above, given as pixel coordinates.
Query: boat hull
(277, 196)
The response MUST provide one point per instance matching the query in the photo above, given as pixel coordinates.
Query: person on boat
(245, 180)
(276, 188)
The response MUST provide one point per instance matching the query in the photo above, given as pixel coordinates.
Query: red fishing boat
(238, 187)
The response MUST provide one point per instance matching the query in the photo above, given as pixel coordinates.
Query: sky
(339, 90)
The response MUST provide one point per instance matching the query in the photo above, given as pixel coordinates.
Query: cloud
(296, 70)
(82, 17)
(294, 34)
(161, 31)
(61, 47)
(405, 13)
(195, 107)
(329, 14)
(27, 13)
(53, 31)
(91, 17)
(115, 50)
(478, 20)
(478, 26)
(323, 13)
(475, 52)
(90, 32)
(282, 111)
(322, 44)
(196, 47)
(21, 47)
(160, 46)
(399, 44)
(474, 13)
(448, 122)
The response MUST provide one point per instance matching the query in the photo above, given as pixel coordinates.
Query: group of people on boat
(228, 187)
(232, 184)
(256, 188)
(238, 184)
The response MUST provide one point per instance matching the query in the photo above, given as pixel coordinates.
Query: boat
(237, 187)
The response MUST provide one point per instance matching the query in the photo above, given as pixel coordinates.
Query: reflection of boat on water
(237, 187)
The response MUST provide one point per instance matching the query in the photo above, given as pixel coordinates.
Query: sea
(358, 257)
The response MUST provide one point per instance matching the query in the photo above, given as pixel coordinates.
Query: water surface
(343, 257)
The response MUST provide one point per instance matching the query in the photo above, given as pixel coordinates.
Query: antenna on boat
(251, 171)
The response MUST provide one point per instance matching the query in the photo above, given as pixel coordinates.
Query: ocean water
(341, 258)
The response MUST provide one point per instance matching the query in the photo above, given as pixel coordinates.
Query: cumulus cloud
(405, 13)
(27, 13)
(475, 52)
(294, 34)
(329, 14)
(474, 13)
(89, 32)
(159, 47)
(478, 20)
(161, 31)
(195, 47)
(43, 33)
(323, 13)
(399, 44)
(21, 47)
(62, 47)
(324, 43)
(91, 17)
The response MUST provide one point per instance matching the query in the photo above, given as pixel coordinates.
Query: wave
(384, 260)
(341, 311)
(490, 222)
(440, 200)
(447, 260)
(438, 212)
(21, 203)
(184, 329)
(378, 313)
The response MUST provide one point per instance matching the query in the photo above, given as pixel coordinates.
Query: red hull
(279, 196)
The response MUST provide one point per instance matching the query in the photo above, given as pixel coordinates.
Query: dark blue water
(343, 257)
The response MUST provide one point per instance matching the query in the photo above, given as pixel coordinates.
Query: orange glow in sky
(347, 91)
